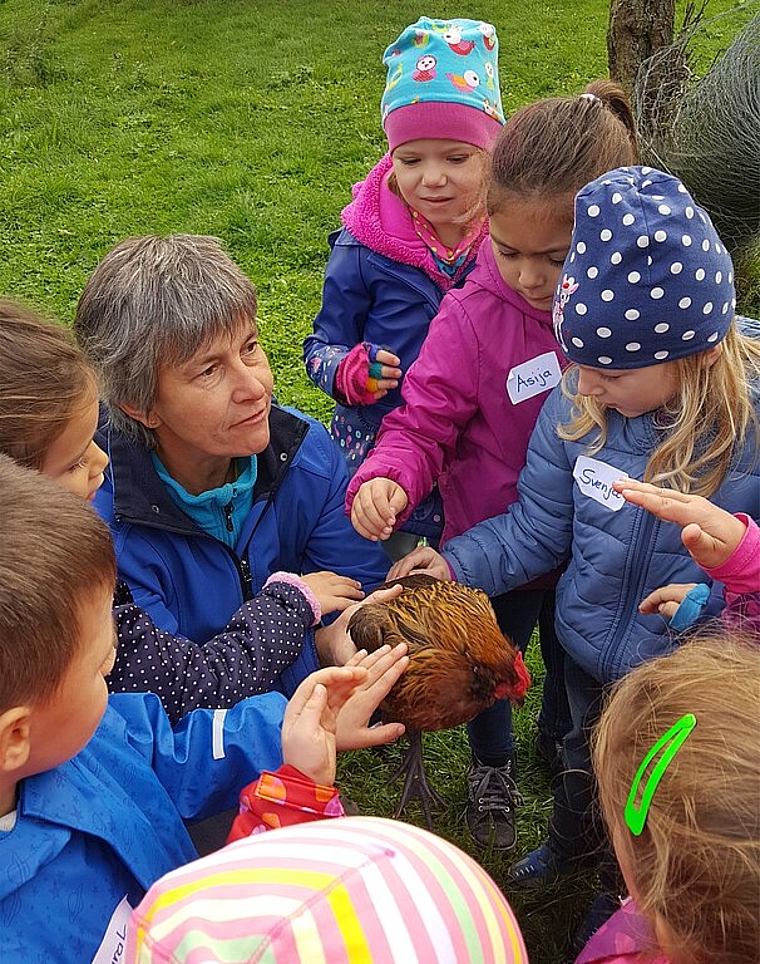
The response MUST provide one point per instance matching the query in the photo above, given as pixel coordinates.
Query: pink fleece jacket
(626, 938)
(470, 402)
(380, 219)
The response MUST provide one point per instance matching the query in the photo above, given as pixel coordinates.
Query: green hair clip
(670, 743)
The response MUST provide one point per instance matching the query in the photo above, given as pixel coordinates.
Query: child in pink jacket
(410, 234)
(471, 400)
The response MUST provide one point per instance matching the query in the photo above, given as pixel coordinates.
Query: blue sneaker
(541, 866)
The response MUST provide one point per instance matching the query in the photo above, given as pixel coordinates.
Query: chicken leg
(416, 785)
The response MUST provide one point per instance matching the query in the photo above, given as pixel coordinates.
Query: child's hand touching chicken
(329, 711)
(311, 718)
(384, 667)
(423, 559)
(376, 507)
(334, 646)
(334, 593)
(331, 708)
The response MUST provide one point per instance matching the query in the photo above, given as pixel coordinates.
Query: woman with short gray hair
(211, 486)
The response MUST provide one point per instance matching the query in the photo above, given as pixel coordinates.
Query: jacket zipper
(228, 516)
(632, 594)
(411, 283)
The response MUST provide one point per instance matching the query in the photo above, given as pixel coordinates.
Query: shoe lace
(494, 788)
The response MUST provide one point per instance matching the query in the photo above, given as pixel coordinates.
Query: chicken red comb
(517, 690)
(522, 684)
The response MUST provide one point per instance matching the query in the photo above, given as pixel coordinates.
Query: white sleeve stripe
(217, 735)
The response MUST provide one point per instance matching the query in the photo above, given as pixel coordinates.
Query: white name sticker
(595, 480)
(113, 945)
(539, 374)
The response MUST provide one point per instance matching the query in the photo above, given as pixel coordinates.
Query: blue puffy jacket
(614, 558)
(189, 583)
(93, 834)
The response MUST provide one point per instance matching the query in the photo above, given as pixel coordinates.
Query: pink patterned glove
(357, 375)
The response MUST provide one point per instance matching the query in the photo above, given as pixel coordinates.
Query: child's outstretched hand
(422, 559)
(334, 593)
(709, 533)
(310, 722)
(384, 667)
(666, 600)
(376, 506)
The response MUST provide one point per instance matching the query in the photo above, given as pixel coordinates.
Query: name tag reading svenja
(539, 374)
(595, 480)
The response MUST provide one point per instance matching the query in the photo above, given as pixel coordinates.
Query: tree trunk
(637, 28)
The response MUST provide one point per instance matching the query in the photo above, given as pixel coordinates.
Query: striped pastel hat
(353, 889)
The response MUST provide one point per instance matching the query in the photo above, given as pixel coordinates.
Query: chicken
(460, 663)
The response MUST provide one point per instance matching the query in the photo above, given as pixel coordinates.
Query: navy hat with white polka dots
(646, 279)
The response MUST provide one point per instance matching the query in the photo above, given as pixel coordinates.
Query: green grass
(250, 121)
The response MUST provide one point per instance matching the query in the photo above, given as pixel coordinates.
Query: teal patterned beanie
(443, 82)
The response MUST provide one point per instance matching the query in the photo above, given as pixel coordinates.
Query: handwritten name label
(113, 945)
(539, 374)
(595, 480)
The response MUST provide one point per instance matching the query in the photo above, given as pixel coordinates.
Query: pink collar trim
(380, 220)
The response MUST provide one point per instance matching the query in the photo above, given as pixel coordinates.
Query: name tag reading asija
(539, 374)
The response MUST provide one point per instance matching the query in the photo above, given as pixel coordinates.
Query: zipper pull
(245, 572)
(228, 516)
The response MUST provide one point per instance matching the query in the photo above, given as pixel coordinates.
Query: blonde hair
(710, 419)
(695, 868)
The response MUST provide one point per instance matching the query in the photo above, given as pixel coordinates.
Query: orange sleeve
(281, 799)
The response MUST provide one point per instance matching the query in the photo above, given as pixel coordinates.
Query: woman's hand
(376, 506)
(334, 593)
(423, 559)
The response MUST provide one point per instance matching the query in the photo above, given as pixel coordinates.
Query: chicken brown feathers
(459, 660)
(459, 664)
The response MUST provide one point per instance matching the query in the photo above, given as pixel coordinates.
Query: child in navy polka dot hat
(663, 388)
(647, 279)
